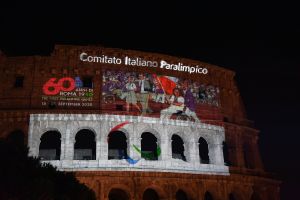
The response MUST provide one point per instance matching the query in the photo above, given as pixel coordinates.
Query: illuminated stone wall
(69, 124)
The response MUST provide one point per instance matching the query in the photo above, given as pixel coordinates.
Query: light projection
(122, 154)
(66, 92)
(156, 95)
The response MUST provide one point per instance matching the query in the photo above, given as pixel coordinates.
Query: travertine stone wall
(68, 126)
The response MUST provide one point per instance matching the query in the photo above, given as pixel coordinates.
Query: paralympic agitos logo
(149, 156)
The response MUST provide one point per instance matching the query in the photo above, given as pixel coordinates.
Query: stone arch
(203, 151)
(208, 137)
(208, 196)
(50, 145)
(178, 147)
(149, 146)
(76, 130)
(85, 145)
(237, 193)
(50, 129)
(117, 145)
(160, 192)
(118, 194)
(150, 130)
(180, 133)
(181, 195)
(123, 187)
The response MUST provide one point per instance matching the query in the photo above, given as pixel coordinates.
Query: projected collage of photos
(150, 94)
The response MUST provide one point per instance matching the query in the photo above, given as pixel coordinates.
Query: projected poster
(66, 92)
(155, 95)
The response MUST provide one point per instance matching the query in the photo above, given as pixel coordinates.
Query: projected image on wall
(155, 95)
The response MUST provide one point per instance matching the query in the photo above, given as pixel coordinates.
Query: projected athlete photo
(156, 95)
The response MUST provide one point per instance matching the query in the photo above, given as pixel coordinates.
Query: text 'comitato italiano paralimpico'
(140, 62)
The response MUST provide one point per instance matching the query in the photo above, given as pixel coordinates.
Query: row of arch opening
(152, 194)
(85, 146)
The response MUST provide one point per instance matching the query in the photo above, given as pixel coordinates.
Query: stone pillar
(33, 142)
(98, 147)
(103, 155)
(218, 154)
(62, 146)
(134, 139)
(69, 144)
(165, 145)
(193, 145)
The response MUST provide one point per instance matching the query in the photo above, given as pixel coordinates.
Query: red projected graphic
(65, 84)
(167, 83)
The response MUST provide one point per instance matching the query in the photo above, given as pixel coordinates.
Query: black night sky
(261, 42)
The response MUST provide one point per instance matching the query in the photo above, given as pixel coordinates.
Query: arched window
(85, 145)
(150, 194)
(50, 146)
(203, 151)
(208, 196)
(149, 146)
(177, 148)
(231, 196)
(181, 195)
(117, 194)
(117, 145)
(225, 153)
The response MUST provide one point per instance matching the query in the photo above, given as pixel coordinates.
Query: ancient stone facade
(237, 173)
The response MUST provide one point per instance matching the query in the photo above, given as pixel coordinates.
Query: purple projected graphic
(156, 95)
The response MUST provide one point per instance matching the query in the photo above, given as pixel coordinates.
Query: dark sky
(260, 41)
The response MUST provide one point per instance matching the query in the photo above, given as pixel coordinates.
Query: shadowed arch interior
(208, 196)
(150, 194)
(149, 146)
(117, 145)
(117, 194)
(177, 147)
(231, 196)
(50, 146)
(85, 145)
(225, 153)
(181, 195)
(203, 151)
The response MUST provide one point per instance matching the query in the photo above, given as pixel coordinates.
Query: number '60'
(52, 87)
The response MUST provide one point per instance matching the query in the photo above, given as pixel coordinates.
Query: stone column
(218, 158)
(103, 155)
(98, 147)
(193, 145)
(62, 146)
(134, 139)
(165, 145)
(69, 144)
(33, 142)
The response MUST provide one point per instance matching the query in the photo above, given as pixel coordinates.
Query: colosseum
(136, 125)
